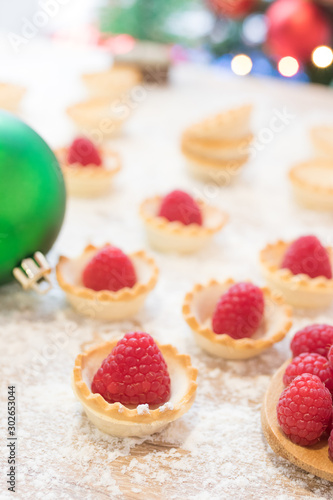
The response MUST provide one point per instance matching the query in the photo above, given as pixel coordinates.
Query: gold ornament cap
(33, 274)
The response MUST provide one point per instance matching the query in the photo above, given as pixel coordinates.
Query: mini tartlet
(322, 140)
(122, 421)
(312, 183)
(113, 81)
(100, 116)
(11, 96)
(198, 308)
(89, 180)
(218, 146)
(174, 236)
(105, 304)
(298, 290)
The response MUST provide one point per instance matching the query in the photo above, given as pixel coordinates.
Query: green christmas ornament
(32, 201)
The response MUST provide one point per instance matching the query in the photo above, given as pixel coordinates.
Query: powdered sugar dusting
(217, 450)
(143, 409)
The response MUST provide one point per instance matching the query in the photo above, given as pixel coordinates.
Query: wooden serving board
(313, 459)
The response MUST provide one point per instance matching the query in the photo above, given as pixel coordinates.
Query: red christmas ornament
(234, 9)
(296, 28)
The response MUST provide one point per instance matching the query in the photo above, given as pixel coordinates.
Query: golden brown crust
(258, 344)
(176, 227)
(117, 411)
(122, 295)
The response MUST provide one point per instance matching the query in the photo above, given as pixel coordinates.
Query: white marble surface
(216, 451)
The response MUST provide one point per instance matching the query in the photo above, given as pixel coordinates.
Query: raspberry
(330, 445)
(109, 269)
(330, 357)
(180, 206)
(134, 373)
(313, 338)
(304, 409)
(83, 151)
(307, 256)
(310, 363)
(239, 311)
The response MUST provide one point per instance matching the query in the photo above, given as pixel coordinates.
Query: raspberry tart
(294, 421)
(105, 283)
(88, 172)
(179, 223)
(300, 270)
(133, 386)
(218, 146)
(312, 183)
(235, 321)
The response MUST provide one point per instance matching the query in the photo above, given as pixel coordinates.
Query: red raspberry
(134, 373)
(330, 445)
(83, 151)
(109, 269)
(239, 311)
(307, 256)
(330, 357)
(313, 338)
(304, 409)
(180, 206)
(310, 363)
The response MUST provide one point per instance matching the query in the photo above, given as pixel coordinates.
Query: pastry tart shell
(98, 116)
(212, 170)
(11, 96)
(322, 140)
(105, 304)
(89, 181)
(198, 308)
(229, 125)
(118, 420)
(113, 81)
(219, 150)
(298, 290)
(312, 183)
(167, 236)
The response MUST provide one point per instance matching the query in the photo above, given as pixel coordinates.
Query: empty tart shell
(312, 183)
(105, 304)
(298, 290)
(322, 140)
(100, 116)
(122, 421)
(198, 309)
(167, 236)
(90, 180)
(113, 81)
(11, 96)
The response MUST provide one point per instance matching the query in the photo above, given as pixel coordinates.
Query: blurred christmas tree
(288, 38)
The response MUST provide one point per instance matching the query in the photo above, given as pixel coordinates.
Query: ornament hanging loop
(33, 274)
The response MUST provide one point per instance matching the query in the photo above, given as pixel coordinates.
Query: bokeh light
(322, 56)
(288, 66)
(241, 64)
